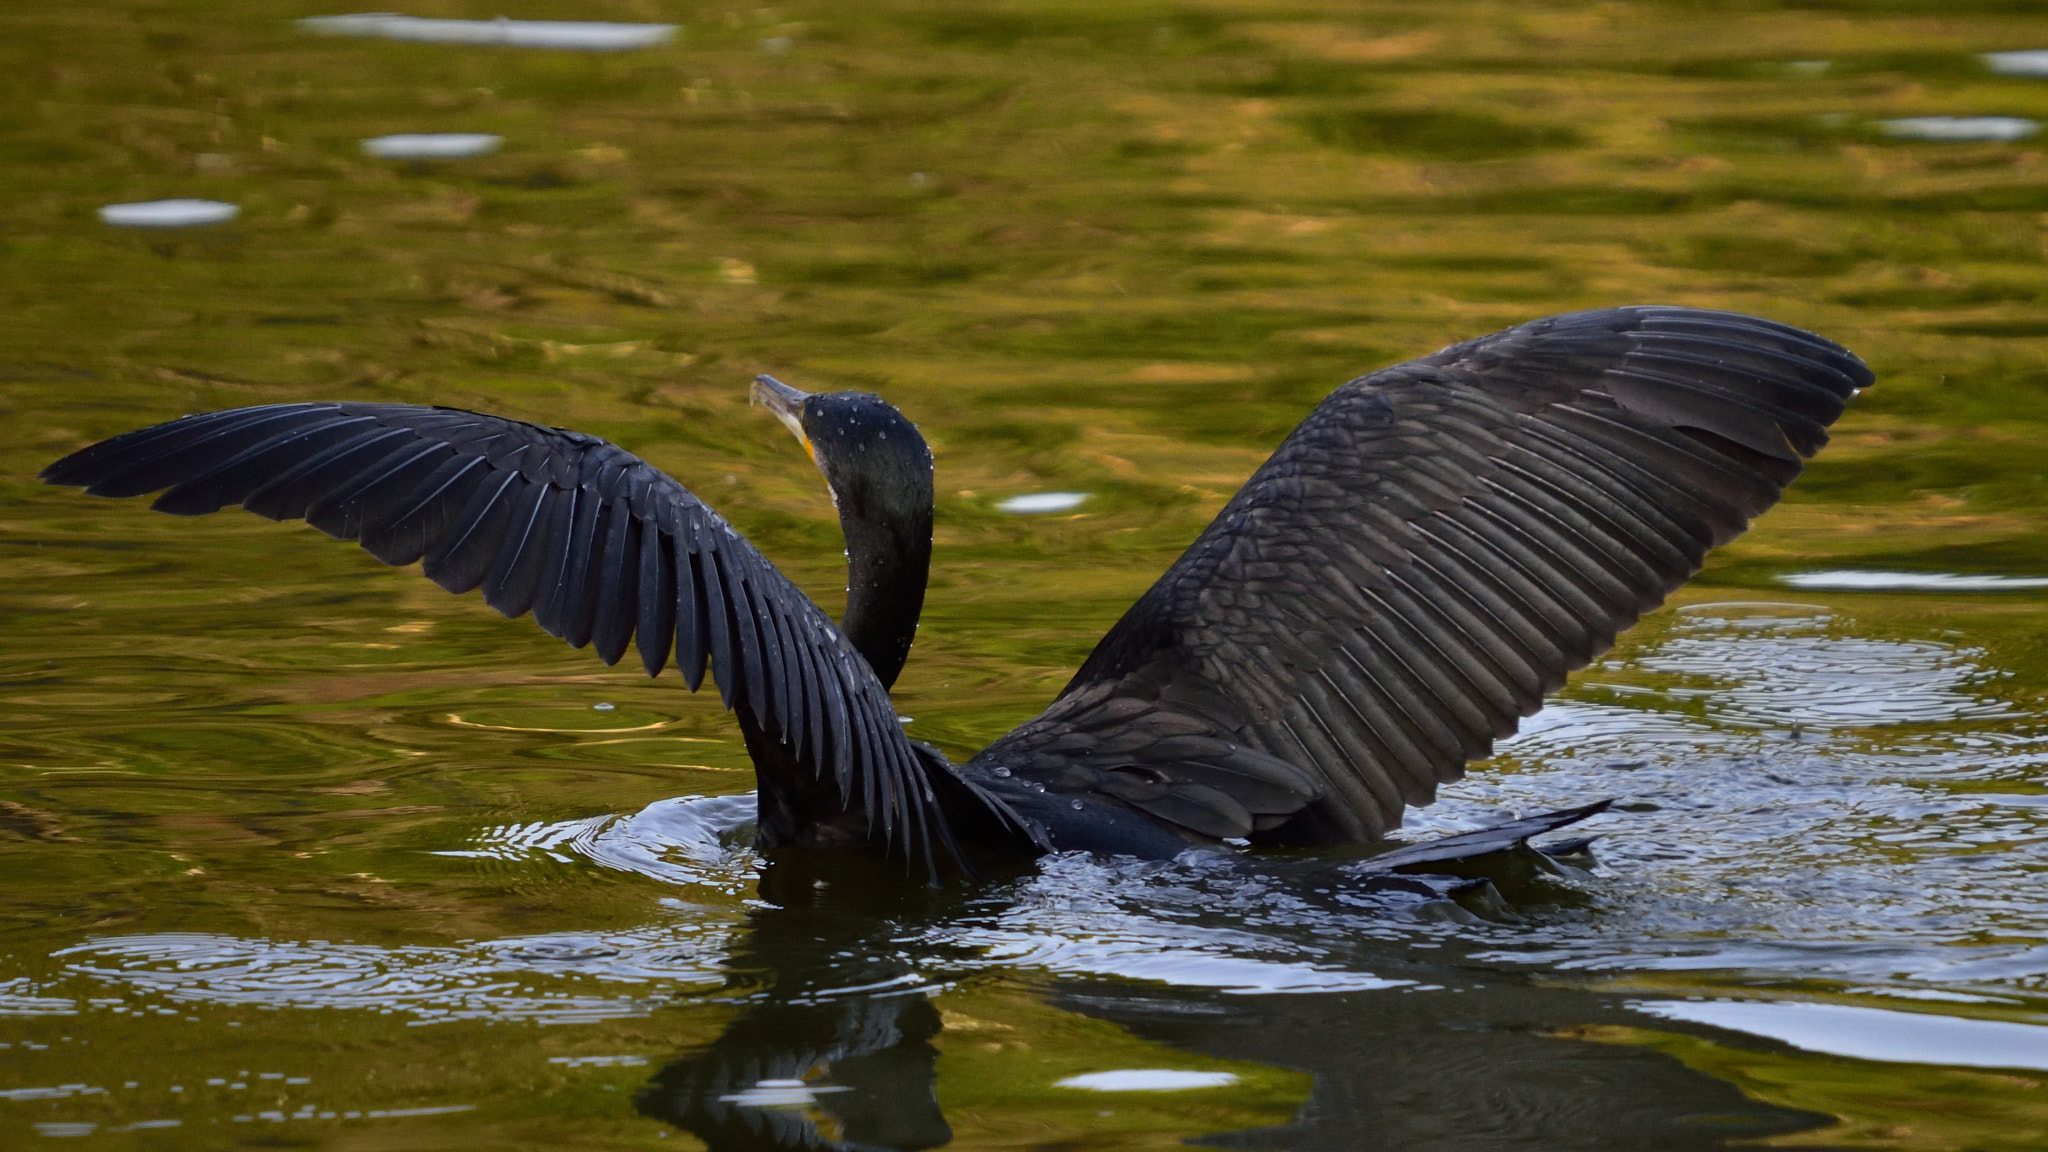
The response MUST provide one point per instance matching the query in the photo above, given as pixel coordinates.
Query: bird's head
(875, 462)
(880, 473)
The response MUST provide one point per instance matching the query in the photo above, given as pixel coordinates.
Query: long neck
(887, 566)
(888, 562)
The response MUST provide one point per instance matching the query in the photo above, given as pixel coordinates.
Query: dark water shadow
(838, 1026)
(834, 1048)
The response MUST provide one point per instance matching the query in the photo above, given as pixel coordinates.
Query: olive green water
(298, 851)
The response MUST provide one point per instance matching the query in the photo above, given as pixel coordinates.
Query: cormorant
(1417, 565)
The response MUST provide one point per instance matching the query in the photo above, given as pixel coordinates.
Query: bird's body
(1421, 561)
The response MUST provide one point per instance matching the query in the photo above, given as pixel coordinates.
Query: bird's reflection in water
(1485, 1067)
(853, 1072)
(835, 1046)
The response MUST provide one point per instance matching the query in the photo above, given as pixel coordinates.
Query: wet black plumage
(1424, 558)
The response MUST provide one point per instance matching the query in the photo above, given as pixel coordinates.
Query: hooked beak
(788, 405)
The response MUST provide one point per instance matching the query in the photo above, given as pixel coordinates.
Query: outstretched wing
(603, 549)
(1426, 557)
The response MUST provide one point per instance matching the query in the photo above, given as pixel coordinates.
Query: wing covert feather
(1429, 553)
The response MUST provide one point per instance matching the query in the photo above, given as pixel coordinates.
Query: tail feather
(1484, 842)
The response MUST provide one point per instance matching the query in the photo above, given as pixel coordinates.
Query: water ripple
(690, 840)
(1081, 916)
(1868, 848)
(1784, 666)
(496, 979)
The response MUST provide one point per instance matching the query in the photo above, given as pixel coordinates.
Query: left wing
(602, 547)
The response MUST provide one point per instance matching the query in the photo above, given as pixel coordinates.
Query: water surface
(301, 851)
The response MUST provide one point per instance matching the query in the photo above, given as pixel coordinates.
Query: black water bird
(1417, 565)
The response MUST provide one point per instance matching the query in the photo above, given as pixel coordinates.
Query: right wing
(602, 547)
(1423, 559)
